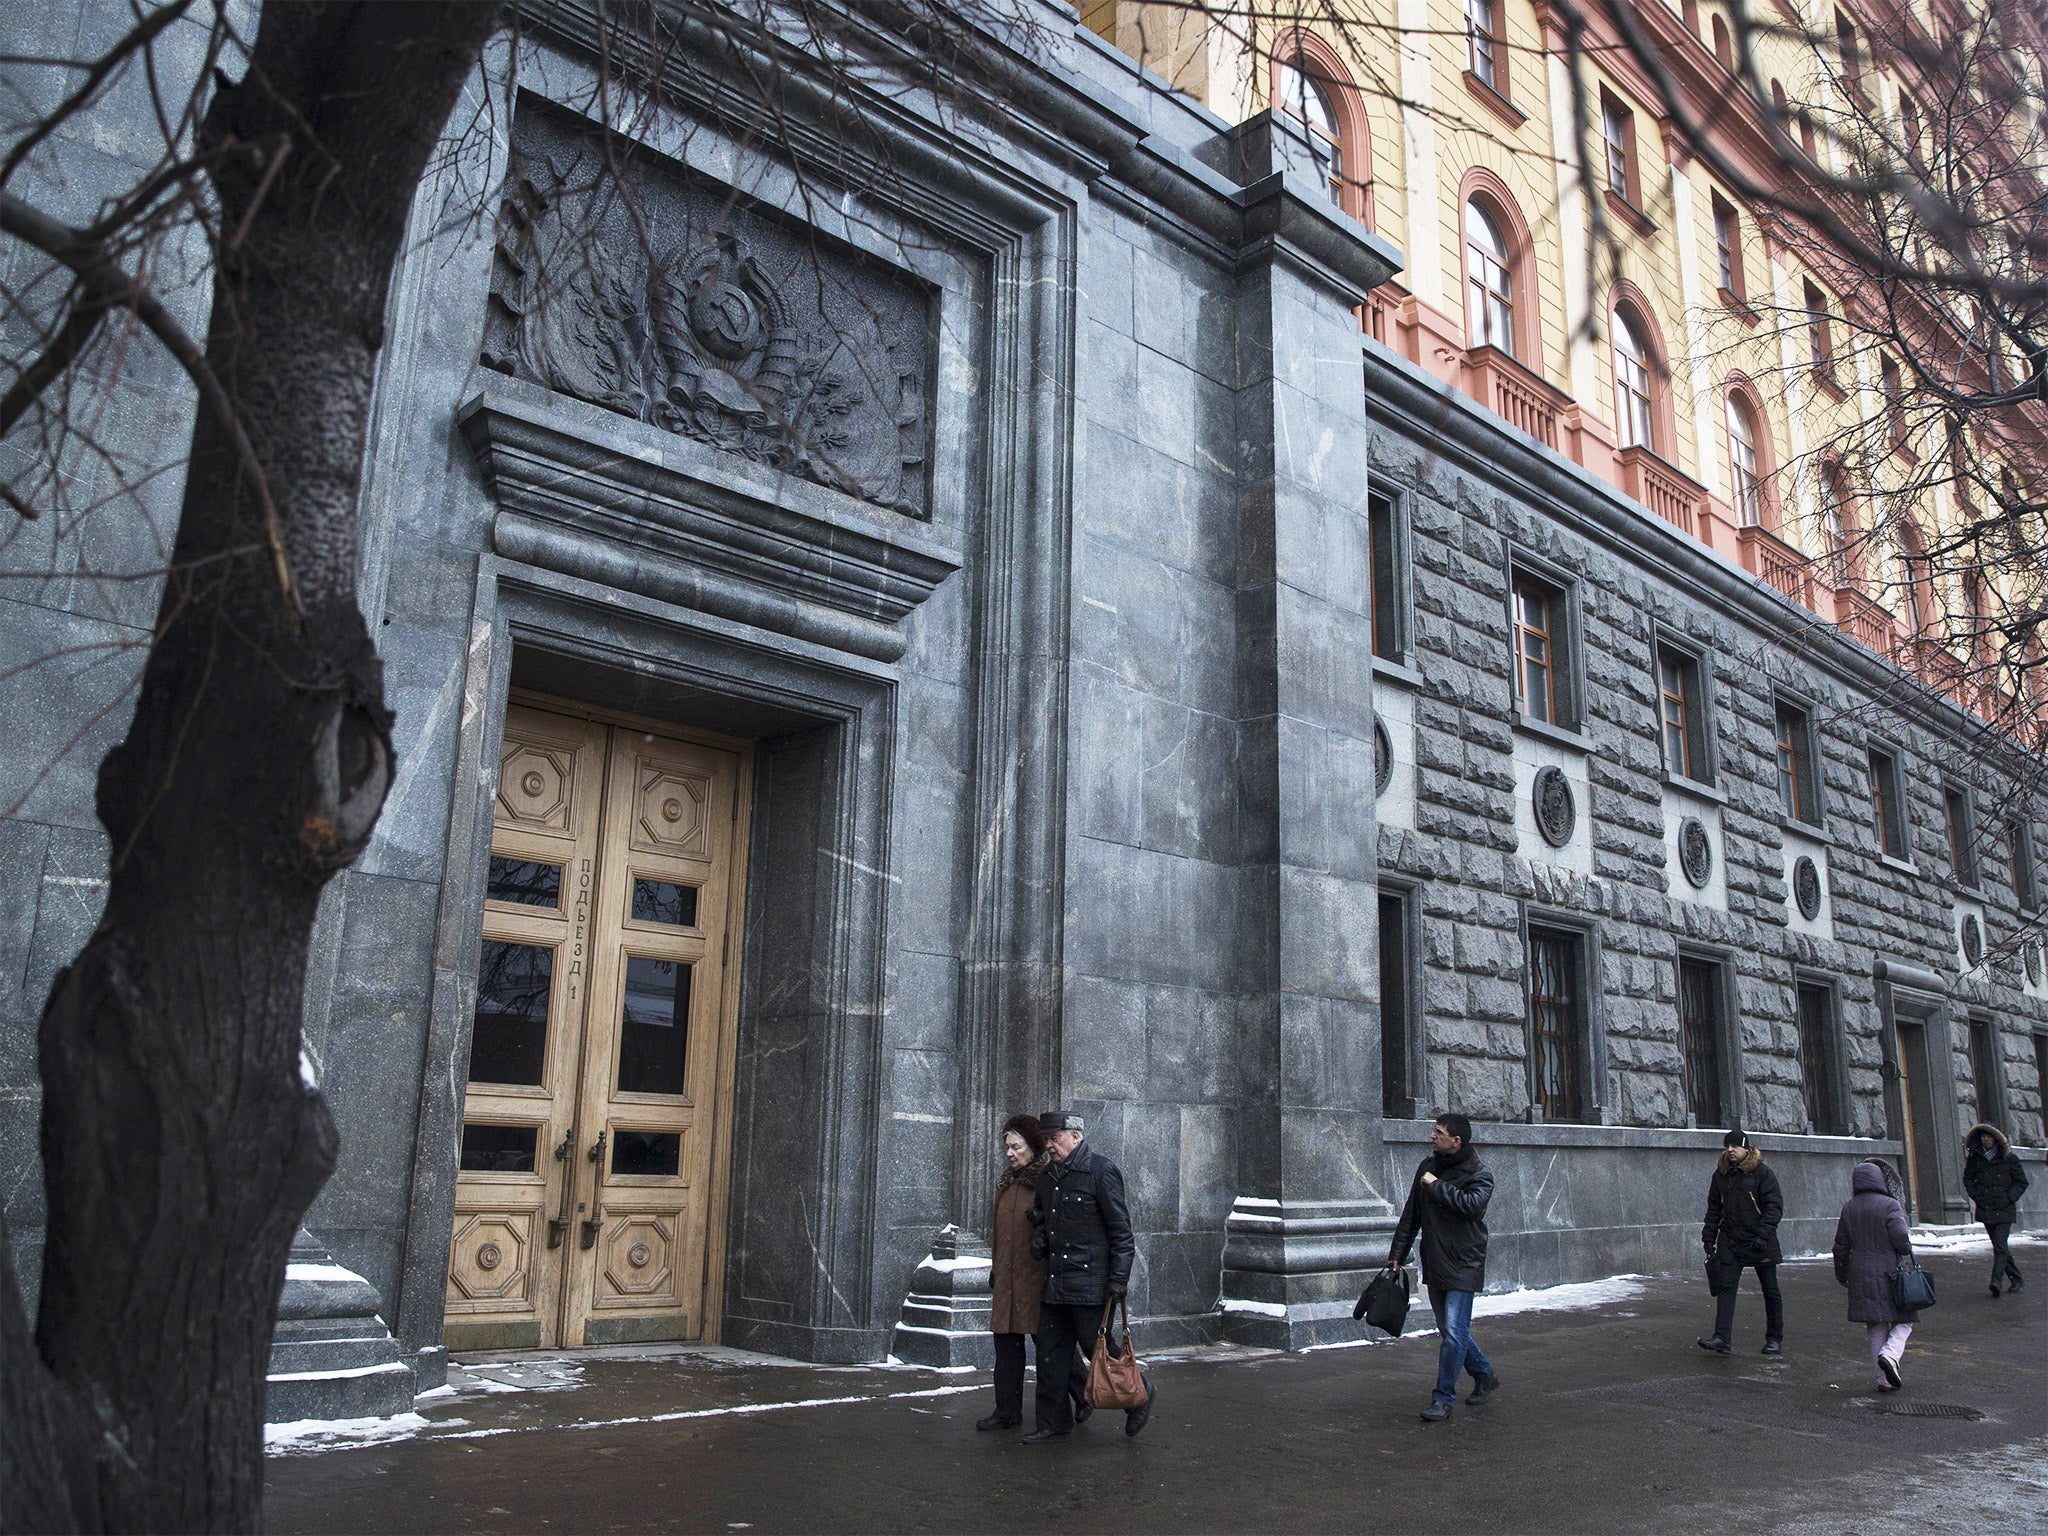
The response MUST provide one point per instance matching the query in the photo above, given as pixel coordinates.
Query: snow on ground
(302, 1436)
(1577, 1297)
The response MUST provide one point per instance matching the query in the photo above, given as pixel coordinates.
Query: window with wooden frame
(1891, 383)
(1398, 1032)
(1798, 765)
(1887, 804)
(1962, 833)
(1388, 555)
(1542, 651)
(1703, 1031)
(1618, 138)
(2025, 878)
(1819, 1051)
(1849, 55)
(1834, 523)
(1724, 46)
(1914, 570)
(1489, 281)
(1634, 422)
(1728, 251)
(1745, 466)
(1307, 99)
(1559, 1043)
(1909, 126)
(1984, 1064)
(1486, 54)
(1820, 332)
(1682, 714)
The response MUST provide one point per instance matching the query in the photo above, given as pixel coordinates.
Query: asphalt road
(1609, 1420)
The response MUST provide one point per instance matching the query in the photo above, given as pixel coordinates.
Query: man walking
(1082, 1229)
(1740, 1229)
(1447, 1206)
(1995, 1180)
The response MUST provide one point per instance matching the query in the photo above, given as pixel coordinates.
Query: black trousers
(1774, 1304)
(1010, 1377)
(2002, 1265)
(1065, 1336)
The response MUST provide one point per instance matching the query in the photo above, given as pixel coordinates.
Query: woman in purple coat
(1870, 1239)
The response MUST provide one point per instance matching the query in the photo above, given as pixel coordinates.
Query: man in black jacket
(1740, 1230)
(1995, 1180)
(1447, 1206)
(1082, 1229)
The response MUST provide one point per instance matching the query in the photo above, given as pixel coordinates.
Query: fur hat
(1059, 1120)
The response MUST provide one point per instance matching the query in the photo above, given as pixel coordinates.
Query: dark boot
(1135, 1419)
(1044, 1436)
(996, 1421)
(1484, 1388)
(1715, 1343)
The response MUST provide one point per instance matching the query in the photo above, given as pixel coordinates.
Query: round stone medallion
(639, 1255)
(489, 1256)
(1806, 887)
(533, 783)
(1695, 852)
(1973, 940)
(2031, 954)
(1382, 757)
(1557, 810)
(671, 809)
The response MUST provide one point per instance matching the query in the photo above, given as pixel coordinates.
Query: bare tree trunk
(181, 1143)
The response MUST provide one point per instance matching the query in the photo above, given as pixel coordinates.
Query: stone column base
(332, 1356)
(1292, 1269)
(946, 1315)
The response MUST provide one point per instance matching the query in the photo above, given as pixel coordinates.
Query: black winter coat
(1082, 1229)
(1451, 1217)
(1996, 1182)
(1744, 1206)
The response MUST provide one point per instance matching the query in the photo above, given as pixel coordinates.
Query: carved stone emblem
(1973, 940)
(1557, 810)
(700, 314)
(1382, 757)
(2031, 954)
(1806, 887)
(1695, 852)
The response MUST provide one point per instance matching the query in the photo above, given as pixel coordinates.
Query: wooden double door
(596, 1112)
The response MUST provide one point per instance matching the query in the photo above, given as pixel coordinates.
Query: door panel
(650, 1076)
(506, 1260)
(602, 1010)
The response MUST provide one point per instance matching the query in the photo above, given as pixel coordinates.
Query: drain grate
(1929, 1410)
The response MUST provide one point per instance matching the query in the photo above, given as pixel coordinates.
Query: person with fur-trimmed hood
(1739, 1231)
(1995, 1180)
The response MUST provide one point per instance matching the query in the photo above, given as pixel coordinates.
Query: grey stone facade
(1067, 783)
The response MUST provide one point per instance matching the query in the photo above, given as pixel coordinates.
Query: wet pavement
(1609, 1419)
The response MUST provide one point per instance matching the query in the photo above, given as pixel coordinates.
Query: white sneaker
(1890, 1366)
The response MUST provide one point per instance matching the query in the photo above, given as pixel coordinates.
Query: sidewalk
(1609, 1420)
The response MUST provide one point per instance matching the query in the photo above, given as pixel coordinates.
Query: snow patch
(348, 1375)
(307, 1074)
(300, 1436)
(1561, 1298)
(948, 1266)
(332, 1273)
(1255, 1308)
(737, 1410)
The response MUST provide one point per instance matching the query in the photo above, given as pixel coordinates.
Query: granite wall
(1068, 783)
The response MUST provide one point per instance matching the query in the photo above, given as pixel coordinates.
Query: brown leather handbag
(1115, 1381)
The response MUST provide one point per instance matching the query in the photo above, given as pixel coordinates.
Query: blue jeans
(1457, 1351)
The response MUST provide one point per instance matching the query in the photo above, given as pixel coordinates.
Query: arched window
(1724, 50)
(1835, 524)
(1490, 283)
(1914, 589)
(1743, 460)
(1304, 97)
(1632, 379)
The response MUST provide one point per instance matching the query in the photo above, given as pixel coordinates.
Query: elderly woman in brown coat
(1015, 1277)
(1870, 1239)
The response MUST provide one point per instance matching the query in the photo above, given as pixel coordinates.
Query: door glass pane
(653, 1026)
(510, 1041)
(522, 880)
(651, 1152)
(498, 1148)
(663, 901)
